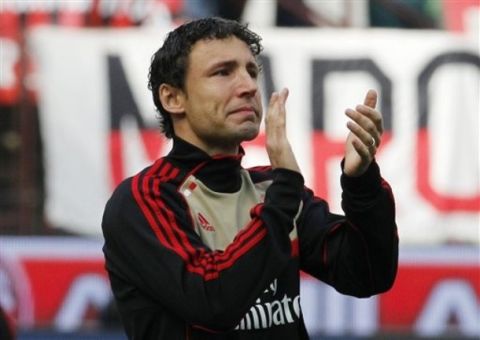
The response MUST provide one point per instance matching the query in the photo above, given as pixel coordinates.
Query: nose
(247, 85)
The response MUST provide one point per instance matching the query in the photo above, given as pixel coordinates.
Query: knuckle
(370, 126)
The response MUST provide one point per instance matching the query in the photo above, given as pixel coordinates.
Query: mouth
(245, 110)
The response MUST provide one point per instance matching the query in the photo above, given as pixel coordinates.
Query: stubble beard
(232, 139)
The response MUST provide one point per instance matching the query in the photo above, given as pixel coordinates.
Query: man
(198, 247)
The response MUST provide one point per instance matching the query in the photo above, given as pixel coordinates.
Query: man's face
(222, 102)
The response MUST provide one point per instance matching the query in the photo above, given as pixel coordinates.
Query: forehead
(210, 51)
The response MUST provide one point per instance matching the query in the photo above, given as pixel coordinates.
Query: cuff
(367, 184)
(286, 191)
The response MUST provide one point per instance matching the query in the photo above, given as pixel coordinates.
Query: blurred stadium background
(76, 117)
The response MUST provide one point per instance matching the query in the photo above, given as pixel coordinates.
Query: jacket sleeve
(151, 245)
(357, 253)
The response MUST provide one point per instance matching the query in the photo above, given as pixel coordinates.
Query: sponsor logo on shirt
(274, 312)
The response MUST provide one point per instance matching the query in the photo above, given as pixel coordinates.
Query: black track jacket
(197, 247)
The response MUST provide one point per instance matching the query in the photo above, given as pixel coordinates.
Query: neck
(212, 148)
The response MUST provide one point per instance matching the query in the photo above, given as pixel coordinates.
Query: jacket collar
(219, 172)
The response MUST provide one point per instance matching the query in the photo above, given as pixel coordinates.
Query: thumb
(371, 99)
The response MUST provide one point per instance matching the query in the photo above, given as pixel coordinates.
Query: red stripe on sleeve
(295, 251)
(136, 185)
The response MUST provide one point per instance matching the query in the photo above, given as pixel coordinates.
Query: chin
(249, 134)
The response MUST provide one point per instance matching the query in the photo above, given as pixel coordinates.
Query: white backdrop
(428, 83)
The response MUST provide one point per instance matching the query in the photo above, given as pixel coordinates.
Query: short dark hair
(169, 64)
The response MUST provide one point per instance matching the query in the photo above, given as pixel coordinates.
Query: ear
(172, 98)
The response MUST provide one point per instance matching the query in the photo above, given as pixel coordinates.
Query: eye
(253, 73)
(221, 72)
(254, 70)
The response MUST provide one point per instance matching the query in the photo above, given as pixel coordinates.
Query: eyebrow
(231, 64)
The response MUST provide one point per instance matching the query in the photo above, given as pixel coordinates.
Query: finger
(273, 100)
(373, 115)
(275, 118)
(278, 99)
(363, 136)
(283, 95)
(277, 108)
(363, 121)
(371, 99)
(281, 103)
(272, 108)
(363, 150)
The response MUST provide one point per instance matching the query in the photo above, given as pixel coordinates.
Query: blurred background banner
(98, 122)
(60, 283)
(76, 118)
